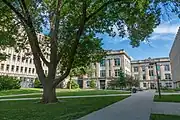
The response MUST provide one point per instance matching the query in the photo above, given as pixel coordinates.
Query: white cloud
(160, 36)
(167, 28)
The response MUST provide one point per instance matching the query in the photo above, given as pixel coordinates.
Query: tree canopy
(73, 23)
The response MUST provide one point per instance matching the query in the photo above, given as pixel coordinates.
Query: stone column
(112, 67)
(154, 72)
(147, 73)
(162, 72)
(107, 68)
(140, 73)
(94, 70)
(97, 70)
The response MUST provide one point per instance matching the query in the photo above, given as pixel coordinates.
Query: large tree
(72, 21)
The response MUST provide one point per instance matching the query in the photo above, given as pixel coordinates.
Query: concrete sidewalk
(136, 107)
(168, 108)
(16, 99)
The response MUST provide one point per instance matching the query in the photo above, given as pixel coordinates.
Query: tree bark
(49, 93)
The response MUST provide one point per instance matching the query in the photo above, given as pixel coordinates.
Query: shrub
(37, 84)
(7, 83)
(93, 84)
(74, 84)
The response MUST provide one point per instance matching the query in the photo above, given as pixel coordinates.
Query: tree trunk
(70, 83)
(49, 94)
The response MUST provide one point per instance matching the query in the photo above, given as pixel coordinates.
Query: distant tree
(93, 83)
(130, 81)
(121, 81)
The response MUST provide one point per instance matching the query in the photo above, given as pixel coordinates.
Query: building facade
(108, 69)
(146, 72)
(20, 66)
(175, 60)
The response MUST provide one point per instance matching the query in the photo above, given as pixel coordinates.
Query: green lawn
(67, 109)
(20, 91)
(164, 117)
(75, 93)
(167, 98)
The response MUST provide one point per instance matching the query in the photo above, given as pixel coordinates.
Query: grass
(164, 117)
(74, 93)
(167, 98)
(20, 91)
(67, 109)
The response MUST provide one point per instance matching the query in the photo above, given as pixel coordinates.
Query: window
(102, 63)
(144, 76)
(25, 70)
(46, 72)
(136, 76)
(14, 57)
(117, 72)
(12, 68)
(150, 66)
(88, 83)
(22, 60)
(109, 73)
(30, 61)
(33, 71)
(143, 68)
(18, 58)
(166, 68)
(117, 61)
(168, 76)
(21, 69)
(29, 70)
(109, 62)
(151, 73)
(26, 60)
(2, 67)
(7, 67)
(17, 68)
(102, 73)
(135, 69)
(144, 84)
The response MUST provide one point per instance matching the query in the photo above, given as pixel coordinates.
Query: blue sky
(160, 43)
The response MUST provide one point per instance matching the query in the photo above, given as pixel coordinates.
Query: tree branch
(100, 8)
(15, 11)
(74, 47)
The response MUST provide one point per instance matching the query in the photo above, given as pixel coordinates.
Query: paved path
(136, 107)
(176, 93)
(166, 108)
(12, 99)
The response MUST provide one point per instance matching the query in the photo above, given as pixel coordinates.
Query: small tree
(121, 81)
(130, 81)
(93, 83)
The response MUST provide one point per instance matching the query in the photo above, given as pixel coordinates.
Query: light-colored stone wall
(175, 59)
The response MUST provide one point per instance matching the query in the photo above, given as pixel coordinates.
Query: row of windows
(21, 69)
(14, 68)
(166, 68)
(103, 73)
(116, 62)
(18, 58)
(167, 75)
(167, 84)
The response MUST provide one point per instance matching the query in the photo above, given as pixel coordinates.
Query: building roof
(118, 52)
(160, 59)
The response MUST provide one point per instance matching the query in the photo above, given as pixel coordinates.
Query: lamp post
(158, 84)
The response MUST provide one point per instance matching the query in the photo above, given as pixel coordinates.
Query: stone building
(19, 66)
(108, 69)
(175, 60)
(146, 72)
